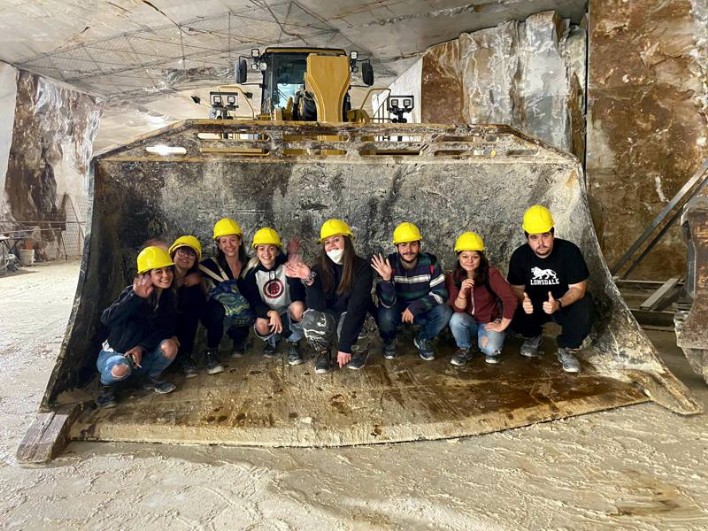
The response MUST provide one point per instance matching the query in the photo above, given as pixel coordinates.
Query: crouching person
(226, 307)
(141, 326)
(338, 297)
(412, 290)
(186, 251)
(482, 299)
(278, 301)
(549, 276)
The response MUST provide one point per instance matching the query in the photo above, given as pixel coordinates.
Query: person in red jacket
(482, 300)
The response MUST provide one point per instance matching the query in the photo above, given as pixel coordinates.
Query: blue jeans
(152, 364)
(464, 327)
(431, 322)
(292, 330)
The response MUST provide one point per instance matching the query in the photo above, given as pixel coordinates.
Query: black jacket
(356, 303)
(133, 322)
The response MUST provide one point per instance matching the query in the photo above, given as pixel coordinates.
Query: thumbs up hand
(526, 304)
(550, 305)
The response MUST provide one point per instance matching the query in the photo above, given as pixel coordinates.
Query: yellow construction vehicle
(292, 174)
(306, 84)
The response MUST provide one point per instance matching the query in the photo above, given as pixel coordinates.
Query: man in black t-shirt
(549, 276)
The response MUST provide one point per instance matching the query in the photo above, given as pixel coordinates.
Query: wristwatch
(309, 279)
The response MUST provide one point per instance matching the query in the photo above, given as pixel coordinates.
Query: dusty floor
(640, 467)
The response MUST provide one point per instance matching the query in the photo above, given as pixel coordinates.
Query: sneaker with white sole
(270, 348)
(568, 360)
(358, 360)
(294, 354)
(492, 358)
(161, 387)
(462, 356)
(238, 350)
(322, 362)
(188, 368)
(529, 348)
(425, 348)
(213, 365)
(389, 349)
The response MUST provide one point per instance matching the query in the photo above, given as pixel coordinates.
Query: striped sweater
(420, 289)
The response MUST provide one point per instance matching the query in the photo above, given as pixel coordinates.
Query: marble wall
(528, 74)
(47, 172)
(647, 119)
(646, 95)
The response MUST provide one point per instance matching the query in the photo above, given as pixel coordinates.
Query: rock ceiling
(145, 54)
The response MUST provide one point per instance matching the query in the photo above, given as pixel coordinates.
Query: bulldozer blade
(446, 179)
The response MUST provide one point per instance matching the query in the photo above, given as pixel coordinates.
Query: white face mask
(336, 255)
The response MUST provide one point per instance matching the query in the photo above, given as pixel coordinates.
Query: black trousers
(213, 320)
(191, 307)
(575, 320)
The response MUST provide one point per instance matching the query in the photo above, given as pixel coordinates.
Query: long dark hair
(242, 256)
(481, 275)
(345, 285)
(167, 296)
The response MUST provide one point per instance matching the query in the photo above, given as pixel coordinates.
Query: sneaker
(238, 350)
(106, 397)
(568, 360)
(529, 349)
(322, 362)
(294, 354)
(492, 358)
(462, 356)
(358, 360)
(161, 387)
(188, 368)
(389, 349)
(213, 365)
(270, 348)
(425, 348)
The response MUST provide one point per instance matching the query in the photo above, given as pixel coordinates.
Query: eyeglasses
(186, 251)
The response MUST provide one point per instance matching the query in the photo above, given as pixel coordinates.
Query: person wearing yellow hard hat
(482, 300)
(141, 328)
(277, 300)
(412, 290)
(338, 297)
(226, 307)
(186, 252)
(549, 277)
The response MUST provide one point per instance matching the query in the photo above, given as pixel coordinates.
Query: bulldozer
(293, 174)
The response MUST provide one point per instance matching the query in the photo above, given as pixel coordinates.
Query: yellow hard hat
(469, 241)
(226, 226)
(266, 236)
(153, 257)
(334, 227)
(406, 232)
(537, 220)
(187, 241)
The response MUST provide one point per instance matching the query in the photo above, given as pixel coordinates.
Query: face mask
(336, 255)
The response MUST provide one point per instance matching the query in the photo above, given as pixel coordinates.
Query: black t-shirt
(565, 265)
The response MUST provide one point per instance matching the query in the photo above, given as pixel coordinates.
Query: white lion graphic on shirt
(543, 274)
